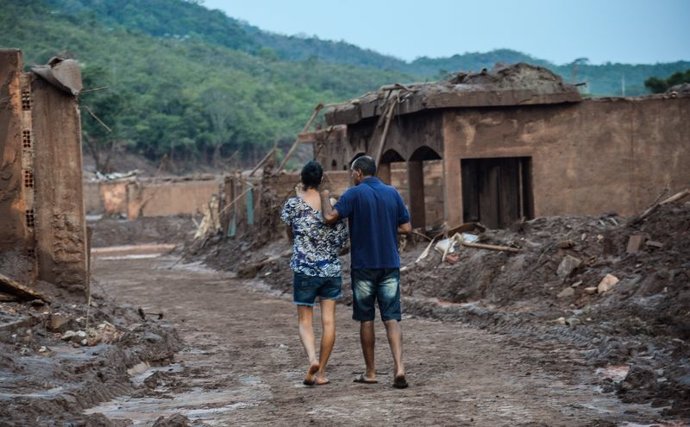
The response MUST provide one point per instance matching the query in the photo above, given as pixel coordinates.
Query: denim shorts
(305, 288)
(377, 284)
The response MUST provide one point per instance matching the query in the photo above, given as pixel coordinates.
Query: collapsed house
(512, 144)
(42, 227)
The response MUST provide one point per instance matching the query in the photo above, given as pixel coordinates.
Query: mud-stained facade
(16, 214)
(512, 147)
(43, 230)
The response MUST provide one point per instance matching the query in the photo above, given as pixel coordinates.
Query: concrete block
(607, 283)
(635, 242)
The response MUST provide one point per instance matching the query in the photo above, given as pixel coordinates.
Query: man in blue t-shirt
(376, 214)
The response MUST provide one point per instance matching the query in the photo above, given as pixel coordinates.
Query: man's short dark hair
(312, 173)
(365, 164)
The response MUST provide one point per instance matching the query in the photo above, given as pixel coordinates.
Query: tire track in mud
(243, 364)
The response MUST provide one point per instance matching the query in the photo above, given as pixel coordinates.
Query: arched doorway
(420, 164)
(384, 167)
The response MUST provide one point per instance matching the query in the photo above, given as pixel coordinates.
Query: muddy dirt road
(243, 364)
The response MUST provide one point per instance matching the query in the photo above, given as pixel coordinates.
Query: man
(376, 215)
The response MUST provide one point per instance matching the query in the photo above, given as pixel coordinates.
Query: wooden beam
(21, 291)
(297, 141)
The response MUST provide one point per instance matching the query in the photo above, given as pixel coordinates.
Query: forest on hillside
(171, 78)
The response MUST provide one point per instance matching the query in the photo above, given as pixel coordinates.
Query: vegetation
(657, 85)
(171, 78)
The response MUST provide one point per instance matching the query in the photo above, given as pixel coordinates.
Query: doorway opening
(497, 191)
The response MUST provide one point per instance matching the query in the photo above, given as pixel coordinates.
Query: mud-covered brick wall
(16, 240)
(60, 224)
(107, 198)
(433, 192)
(597, 156)
(148, 199)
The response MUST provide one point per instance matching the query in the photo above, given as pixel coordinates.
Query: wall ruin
(597, 156)
(590, 157)
(43, 230)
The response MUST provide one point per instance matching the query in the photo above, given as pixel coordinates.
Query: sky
(559, 31)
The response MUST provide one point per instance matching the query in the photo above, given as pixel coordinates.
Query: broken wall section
(41, 196)
(136, 197)
(17, 256)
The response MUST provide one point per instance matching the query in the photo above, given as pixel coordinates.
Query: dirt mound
(552, 288)
(58, 359)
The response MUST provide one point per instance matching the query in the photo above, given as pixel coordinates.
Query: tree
(101, 106)
(657, 85)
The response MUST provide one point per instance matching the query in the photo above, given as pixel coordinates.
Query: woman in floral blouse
(316, 268)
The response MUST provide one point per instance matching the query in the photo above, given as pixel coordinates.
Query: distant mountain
(176, 79)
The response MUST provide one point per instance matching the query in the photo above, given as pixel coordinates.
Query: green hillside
(169, 77)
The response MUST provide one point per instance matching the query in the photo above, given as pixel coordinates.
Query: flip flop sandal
(364, 380)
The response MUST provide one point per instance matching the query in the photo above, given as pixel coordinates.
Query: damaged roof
(518, 84)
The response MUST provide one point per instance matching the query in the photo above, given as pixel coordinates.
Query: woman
(316, 268)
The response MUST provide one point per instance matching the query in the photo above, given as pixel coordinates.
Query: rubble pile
(618, 289)
(57, 359)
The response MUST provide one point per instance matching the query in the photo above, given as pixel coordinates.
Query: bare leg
(306, 335)
(394, 333)
(368, 339)
(327, 338)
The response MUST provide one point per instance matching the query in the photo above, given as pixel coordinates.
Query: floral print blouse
(316, 245)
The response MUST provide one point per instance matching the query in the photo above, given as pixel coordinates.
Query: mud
(242, 364)
(491, 338)
(642, 323)
(48, 379)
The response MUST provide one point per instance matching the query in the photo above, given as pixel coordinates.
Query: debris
(591, 290)
(566, 293)
(210, 224)
(654, 244)
(566, 244)
(452, 258)
(607, 283)
(445, 247)
(567, 266)
(58, 321)
(576, 284)
(635, 243)
(676, 197)
(490, 247)
(252, 269)
(5, 297)
(425, 252)
(64, 74)
(114, 176)
(20, 290)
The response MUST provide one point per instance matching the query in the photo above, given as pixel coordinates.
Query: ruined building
(42, 226)
(513, 143)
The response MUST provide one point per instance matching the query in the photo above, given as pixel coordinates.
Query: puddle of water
(132, 251)
(143, 370)
(195, 404)
(53, 392)
(121, 257)
(250, 380)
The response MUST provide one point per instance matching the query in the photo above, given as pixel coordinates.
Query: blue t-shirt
(374, 211)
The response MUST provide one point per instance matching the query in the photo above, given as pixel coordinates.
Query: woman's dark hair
(312, 173)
